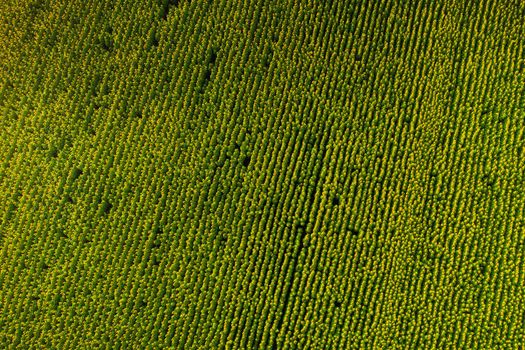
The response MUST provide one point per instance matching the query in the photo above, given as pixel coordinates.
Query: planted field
(235, 174)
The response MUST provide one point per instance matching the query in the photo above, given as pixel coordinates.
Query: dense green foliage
(262, 174)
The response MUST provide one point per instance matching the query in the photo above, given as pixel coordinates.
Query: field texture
(243, 174)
